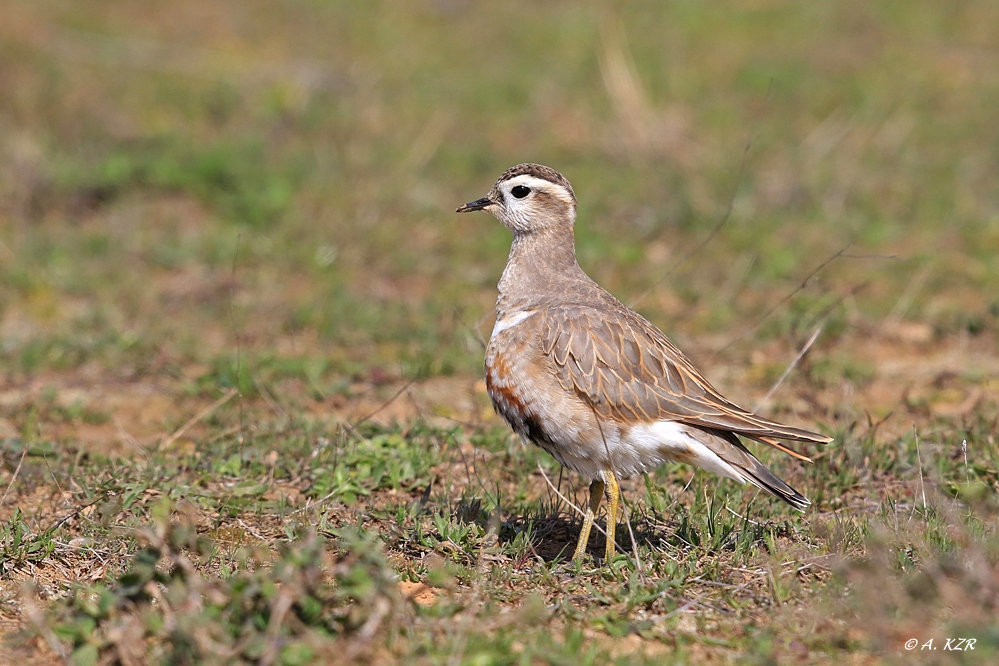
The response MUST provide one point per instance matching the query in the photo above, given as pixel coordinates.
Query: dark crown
(538, 171)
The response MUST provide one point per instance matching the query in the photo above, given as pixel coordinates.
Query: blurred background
(235, 295)
(250, 194)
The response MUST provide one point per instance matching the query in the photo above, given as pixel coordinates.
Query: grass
(260, 543)
(241, 330)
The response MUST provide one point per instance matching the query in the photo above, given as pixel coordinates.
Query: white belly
(637, 450)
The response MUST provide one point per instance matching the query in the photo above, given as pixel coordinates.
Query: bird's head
(529, 198)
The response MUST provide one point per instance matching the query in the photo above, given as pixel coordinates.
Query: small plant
(165, 609)
(18, 544)
(380, 461)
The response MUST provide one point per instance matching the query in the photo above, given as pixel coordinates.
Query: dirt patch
(911, 379)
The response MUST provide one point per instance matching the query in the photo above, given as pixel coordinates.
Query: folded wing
(626, 369)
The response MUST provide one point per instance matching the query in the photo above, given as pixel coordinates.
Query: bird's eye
(520, 191)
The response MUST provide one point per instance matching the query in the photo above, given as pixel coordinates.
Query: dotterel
(592, 382)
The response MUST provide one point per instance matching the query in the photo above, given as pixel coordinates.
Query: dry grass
(241, 413)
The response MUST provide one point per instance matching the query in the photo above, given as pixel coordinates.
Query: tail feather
(733, 452)
(763, 478)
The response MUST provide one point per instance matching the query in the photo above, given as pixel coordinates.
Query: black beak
(478, 204)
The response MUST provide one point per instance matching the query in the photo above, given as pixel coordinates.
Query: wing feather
(626, 369)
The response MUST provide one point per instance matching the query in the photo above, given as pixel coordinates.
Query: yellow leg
(596, 494)
(613, 495)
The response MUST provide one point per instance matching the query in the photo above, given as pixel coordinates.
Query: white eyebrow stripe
(511, 321)
(534, 183)
(542, 185)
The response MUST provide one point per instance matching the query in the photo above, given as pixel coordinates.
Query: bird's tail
(728, 447)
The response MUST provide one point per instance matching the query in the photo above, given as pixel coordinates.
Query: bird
(592, 382)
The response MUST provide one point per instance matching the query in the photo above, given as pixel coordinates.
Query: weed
(289, 611)
(19, 545)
